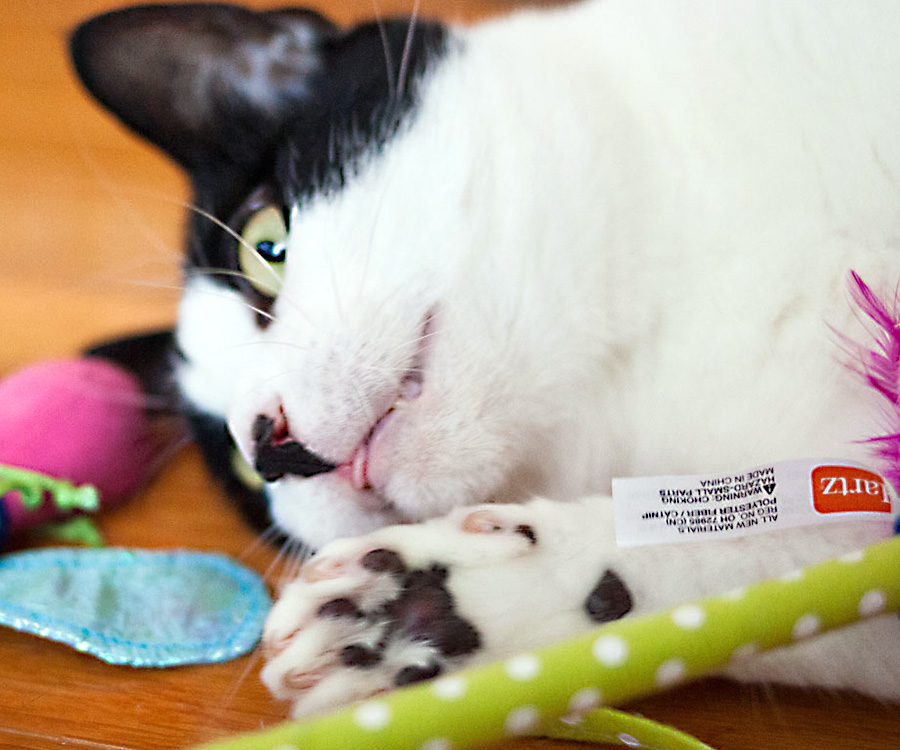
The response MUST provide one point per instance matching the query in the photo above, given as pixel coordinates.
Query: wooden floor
(90, 222)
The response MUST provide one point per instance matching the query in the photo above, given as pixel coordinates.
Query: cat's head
(351, 305)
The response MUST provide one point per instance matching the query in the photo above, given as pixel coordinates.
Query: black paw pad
(421, 612)
(356, 655)
(424, 611)
(528, 532)
(454, 636)
(609, 600)
(415, 673)
(340, 608)
(383, 561)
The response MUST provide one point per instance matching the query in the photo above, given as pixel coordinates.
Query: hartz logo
(844, 489)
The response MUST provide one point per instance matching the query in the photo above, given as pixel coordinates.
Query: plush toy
(82, 422)
(76, 437)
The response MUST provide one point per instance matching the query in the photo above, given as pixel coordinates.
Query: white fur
(631, 224)
(521, 596)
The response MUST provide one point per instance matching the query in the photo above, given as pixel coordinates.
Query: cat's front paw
(408, 603)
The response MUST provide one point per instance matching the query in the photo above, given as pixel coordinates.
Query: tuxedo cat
(443, 283)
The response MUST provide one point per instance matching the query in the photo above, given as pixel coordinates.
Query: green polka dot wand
(531, 693)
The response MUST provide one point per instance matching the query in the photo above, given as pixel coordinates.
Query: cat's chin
(318, 509)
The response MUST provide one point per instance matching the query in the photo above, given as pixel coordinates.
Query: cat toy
(75, 439)
(556, 691)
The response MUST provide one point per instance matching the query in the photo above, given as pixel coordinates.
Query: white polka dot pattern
(449, 688)
(524, 667)
(670, 672)
(610, 651)
(586, 699)
(689, 617)
(871, 604)
(522, 720)
(373, 716)
(745, 651)
(805, 627)
(438, 743)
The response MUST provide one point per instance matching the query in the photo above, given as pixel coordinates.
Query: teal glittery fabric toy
(136, 607)
(76, 438)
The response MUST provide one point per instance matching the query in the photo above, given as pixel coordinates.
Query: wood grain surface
(91, 221)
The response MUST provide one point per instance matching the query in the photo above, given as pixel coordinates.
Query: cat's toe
(499, 521)
(381, 624)
(409, 603)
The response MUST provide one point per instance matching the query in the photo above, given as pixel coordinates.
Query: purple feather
(880, 366)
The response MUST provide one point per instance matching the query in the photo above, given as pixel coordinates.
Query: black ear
(151, 358)
(207, 83)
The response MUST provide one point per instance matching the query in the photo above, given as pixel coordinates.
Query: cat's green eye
(263, 250)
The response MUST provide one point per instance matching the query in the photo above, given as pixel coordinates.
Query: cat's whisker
(412, 342)
(133, 273)
(388, 58)
(117, 192)
(278, 562)
(227, 700)
(266, 536)
(264, 343)
(300, 557)
(292, 562)
(225, 294)
(407, 49)
(266, 267)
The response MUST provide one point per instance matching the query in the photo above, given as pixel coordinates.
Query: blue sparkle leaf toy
(140, 608)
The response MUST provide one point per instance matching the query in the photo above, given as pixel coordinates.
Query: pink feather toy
(74, 438)
(880, 366)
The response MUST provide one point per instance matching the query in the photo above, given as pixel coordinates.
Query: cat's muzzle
(278, 455)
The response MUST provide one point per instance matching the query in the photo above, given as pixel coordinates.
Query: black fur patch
(351, 108)
(274, 459)
(152, 358)
(340, 608)
(610, 599)
(409, 675)
(423, 610)
(528, 532)
(189, 77)
(218, 447)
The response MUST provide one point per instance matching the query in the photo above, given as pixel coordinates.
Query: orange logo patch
(844, 489)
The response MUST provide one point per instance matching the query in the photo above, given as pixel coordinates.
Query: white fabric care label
(780, 495)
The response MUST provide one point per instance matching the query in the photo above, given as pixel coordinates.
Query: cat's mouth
(279, 454)
(357, 469)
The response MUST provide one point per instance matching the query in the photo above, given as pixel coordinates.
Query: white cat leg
(407, 603)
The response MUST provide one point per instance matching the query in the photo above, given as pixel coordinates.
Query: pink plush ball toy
(79, 420)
